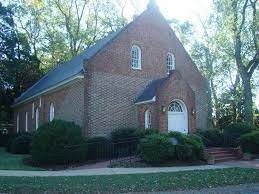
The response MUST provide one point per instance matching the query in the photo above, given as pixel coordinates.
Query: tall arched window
(17, 123)
(51, 112)
(147, 119)
(135, 57)
(170, 62)
(37, 118)
(26, 121)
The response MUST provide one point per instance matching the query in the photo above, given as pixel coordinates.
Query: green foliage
(21, 144)
(156, 148)
(190, 146)
(58, 142)
(212, 137)
(98, 148)
(250, 142)
(16, 63)
(238, 129)
(123, 134)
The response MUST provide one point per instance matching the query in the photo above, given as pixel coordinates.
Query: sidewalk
(106, 171)
(113, 171)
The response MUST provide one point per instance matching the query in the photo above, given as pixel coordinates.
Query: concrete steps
(221, 154)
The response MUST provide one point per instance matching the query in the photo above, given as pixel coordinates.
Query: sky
(181, 10)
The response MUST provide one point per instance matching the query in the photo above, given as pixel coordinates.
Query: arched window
(175, 107)
(37, 118)
(26, 121)
(51, 112)
(170, 62)
(147, 119)
(17, 123)
(135, 57)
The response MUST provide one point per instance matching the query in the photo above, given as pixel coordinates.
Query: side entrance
(177, 117)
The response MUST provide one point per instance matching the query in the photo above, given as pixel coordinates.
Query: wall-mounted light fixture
(193, 111)
(163, 109)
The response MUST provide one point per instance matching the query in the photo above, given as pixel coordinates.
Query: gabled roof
(149, 92)
(66, 70)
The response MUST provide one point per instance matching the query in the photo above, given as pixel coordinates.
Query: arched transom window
(170, 62)
(147, 119)
(135, 57)
(175, 107)
(51, 112)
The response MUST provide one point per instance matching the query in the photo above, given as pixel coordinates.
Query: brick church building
(139, 76)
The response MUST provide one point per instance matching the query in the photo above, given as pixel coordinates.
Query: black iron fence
(122, 150)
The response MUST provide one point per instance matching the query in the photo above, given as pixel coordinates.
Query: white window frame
(40, 102)
(17, 123)
(147, 119)
(170, 62)
(135, 57)
(51, 112)
(37, 116)
(32, 110)
(26, 121)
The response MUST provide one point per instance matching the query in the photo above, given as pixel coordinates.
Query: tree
(237, 21)
(19, 68)
(61, 29)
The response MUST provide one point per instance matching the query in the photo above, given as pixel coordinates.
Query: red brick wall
(175, 88)
(154, 36)
(68, 104)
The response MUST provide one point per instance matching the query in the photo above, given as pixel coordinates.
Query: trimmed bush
(190, 146)
(124, 134)
(21, 144)
(212, 137)
(4, 139)
(141, 133)
(156, 148)
(128, 134)
(58, 142)
(98, 148)
(250, 142)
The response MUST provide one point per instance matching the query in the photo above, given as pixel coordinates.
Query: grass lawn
(13, 161)
(131, 183)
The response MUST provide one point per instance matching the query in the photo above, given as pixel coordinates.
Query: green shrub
(190, 146)
(156, 148)
(58, 142)
(239, 128)
(233, 132)
(212, 137)
(21, 144)
(5, 138)
(141, 133)
(98, 148)
(123, 134)
(250, 142)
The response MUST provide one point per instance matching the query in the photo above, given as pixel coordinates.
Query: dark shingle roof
(150, 91)
(66, 70)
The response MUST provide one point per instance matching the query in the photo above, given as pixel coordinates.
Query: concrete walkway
(106, 171)
(113, 171)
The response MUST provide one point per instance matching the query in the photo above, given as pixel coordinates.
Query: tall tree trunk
(210, 110)
(217, 108)
(248, 101)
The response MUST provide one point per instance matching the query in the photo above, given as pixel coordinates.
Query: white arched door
(177, 117)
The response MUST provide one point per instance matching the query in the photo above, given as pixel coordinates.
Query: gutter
(57, 86)
(147, 101)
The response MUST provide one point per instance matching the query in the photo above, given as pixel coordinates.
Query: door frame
(185, 113)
